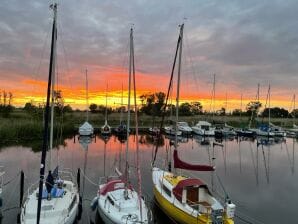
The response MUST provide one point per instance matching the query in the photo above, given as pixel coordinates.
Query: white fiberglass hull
(62, 210)
(86, 129)
(85, 132)
(264, 133)
(202, 132)
(185, 130)
(121, 211)
(172, 131)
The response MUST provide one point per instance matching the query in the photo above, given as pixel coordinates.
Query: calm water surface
(261, 179)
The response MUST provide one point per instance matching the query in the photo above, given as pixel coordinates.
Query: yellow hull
(181, 216)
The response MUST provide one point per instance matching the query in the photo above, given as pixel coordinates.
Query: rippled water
(261, 179)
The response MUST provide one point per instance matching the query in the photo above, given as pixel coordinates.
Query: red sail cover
(178, 163)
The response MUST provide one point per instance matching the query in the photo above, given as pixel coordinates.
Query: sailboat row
(56, 199)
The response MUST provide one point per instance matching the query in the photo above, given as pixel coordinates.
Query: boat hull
(63, 210)
(178, 214)
(202, 132)
(104, 217)
(172, 211)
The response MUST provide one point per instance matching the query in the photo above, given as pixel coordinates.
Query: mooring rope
(11, 180)
(88, 179)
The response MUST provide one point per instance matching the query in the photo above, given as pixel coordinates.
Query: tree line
(152, 104)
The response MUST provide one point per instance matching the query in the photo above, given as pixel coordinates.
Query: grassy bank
(21, 126)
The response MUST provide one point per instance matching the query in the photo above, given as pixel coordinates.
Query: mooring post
(79, 216)
(79, 179)
(22, 187)
(22, 178)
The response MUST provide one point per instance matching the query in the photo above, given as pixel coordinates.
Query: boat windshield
(205, 127)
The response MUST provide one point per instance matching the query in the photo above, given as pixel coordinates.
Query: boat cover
(55, 193)
(190, 182)
(178, 163)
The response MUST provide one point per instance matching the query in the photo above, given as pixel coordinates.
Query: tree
(160, 100)
(185, 109)
(237, 112)
(294, 113)
(58, 102)
(253, 107)
(152, 103)
(67, 109)
(275, 112)
(9, 98)
(4, 97)
(93, 107)
(222, 111)
(29, 107)
(196, 108)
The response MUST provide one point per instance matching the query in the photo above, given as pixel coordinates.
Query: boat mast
(137, 129)
(52, 104)
(226, 105)
(106, 112)
(213, 109)
(87, 98)
(294, 106)
(46, 121)
(121, 112)
(241, 108)
(269, 96)
(178, 85)
(128, 114)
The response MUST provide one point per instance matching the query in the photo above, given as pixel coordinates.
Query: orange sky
(74, 93)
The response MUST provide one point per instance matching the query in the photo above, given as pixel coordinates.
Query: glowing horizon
(76, 97)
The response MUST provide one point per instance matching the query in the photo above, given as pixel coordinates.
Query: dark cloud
(243, 42)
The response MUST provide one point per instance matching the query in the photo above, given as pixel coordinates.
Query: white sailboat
(265, 129)
(86, 129)
(203, 128)
(56, 200)
(117, 201)
(187, 200)
(184, 127)
(106, 129)
(121, 130)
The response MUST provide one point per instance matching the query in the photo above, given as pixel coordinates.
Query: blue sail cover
(264, 127)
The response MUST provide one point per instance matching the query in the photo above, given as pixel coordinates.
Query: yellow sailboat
(187, 200)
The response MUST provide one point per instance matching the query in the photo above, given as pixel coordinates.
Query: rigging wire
(167, 97)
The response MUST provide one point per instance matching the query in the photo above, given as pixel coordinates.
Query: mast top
(53, 6)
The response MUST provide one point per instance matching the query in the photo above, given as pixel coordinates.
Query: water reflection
(253, 171)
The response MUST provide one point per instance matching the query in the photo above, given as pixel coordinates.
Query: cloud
(243, 42)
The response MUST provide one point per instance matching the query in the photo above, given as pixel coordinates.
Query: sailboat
(187, 200)
(117, 200)
(204, 128)
(121, 130)
(86, 129)
(106, 129)
(265, 129)
(55, 200)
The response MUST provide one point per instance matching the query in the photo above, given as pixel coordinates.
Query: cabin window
(205, 127)
(111, 201)
(166, 190)
(47, 207)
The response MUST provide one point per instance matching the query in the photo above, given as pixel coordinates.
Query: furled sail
(178, 163)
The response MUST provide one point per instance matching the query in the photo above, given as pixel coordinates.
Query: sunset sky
(243, 42)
